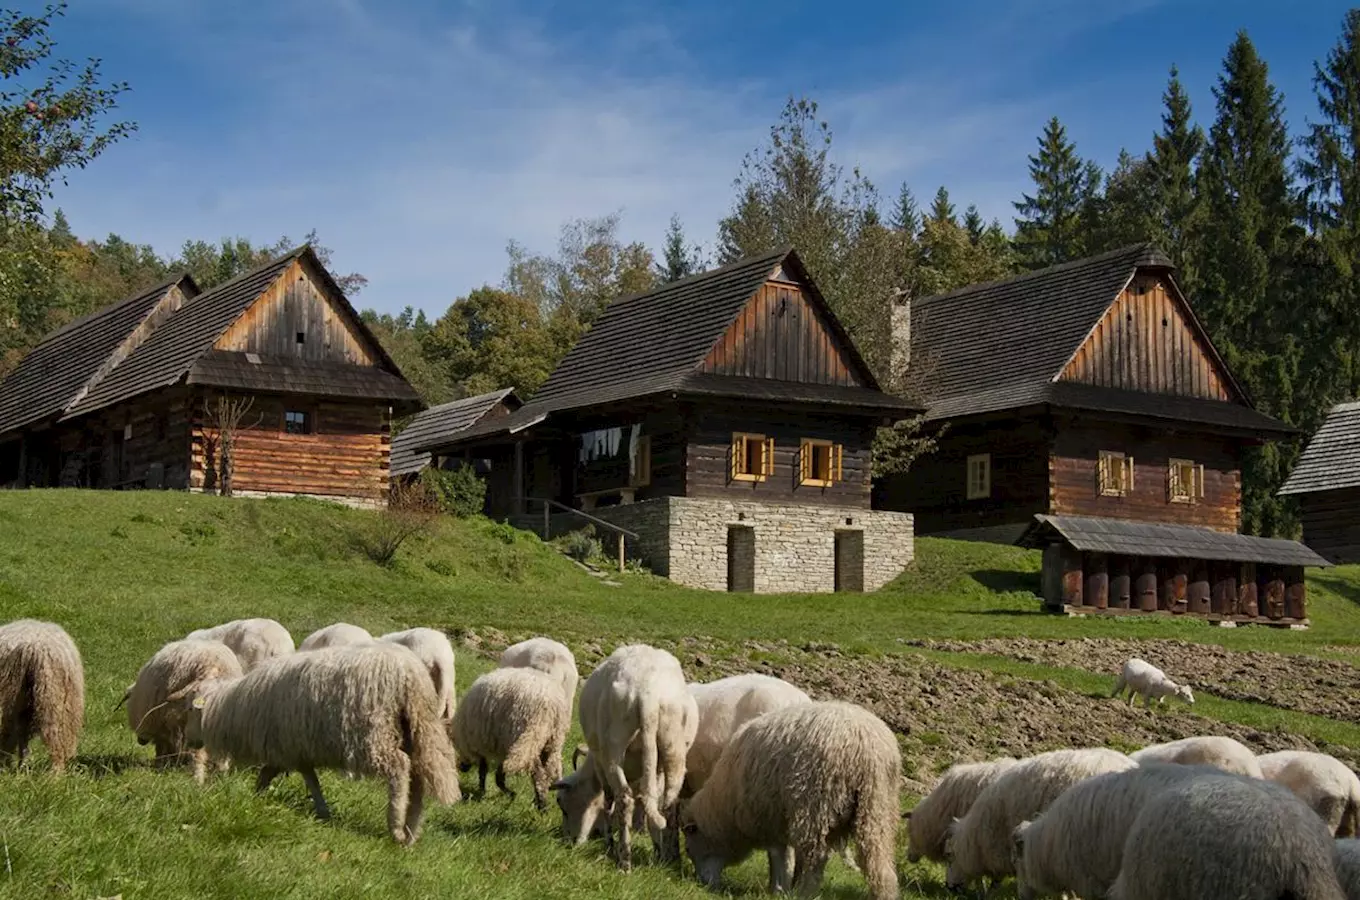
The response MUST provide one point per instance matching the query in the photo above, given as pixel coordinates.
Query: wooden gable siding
(1331, 524)
(1145, 343)
(780, 335)
(297, 304)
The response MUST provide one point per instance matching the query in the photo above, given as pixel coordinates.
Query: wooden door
(849, 561)
(741, 558)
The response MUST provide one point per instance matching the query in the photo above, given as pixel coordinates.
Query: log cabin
(1326, 483)
(445, 420)
(1087, 399)
(127, 397)
(723, 424)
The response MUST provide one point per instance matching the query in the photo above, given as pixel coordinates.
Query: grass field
(124, 573)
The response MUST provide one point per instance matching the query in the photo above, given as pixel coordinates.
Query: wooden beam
(517, 502)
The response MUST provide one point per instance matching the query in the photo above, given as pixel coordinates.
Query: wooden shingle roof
(1331, 461)
(442, 421)
(1126, 538)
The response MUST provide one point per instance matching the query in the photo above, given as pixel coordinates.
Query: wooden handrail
(549, 505)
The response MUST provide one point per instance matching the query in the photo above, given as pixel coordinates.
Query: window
(297, 422)
(752, 457)
(640, 462)
(1114, 474)
(979, 476)
(1184, 481)
(301, 337)
(819, 463)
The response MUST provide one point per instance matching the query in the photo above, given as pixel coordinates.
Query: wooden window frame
(834, 462)
(971, 490)
(1118, 466)
(309, 422)
(738, 454)
(642, 477)
(1173, 479)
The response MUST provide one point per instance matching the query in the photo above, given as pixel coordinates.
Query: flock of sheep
(737, 765)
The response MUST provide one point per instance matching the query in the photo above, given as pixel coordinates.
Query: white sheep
(808, 777)
(435, 651)
(42, 691)
(517, 719)
(1324, 782)
(1206, 750)
(546, 655)
(979, 844)
(155, 707)
(1348, 866)
(1077, 844)
(636, 700)
(341, 634)
(951, 798)
(1143, 679)
(1227, 836)
(254, 641)
(369, 709)
(724, 706)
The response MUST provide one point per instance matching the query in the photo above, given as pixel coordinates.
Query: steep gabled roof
(1331, 461)
(439, 422)
(1127, 538)
(55, 373)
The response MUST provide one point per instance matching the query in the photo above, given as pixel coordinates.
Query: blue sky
(420, 136)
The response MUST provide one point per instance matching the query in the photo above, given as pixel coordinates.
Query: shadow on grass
(1342, 587)
(102, 765)
(1006, 581)
(1003, 612)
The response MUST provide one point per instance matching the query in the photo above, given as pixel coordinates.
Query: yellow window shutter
(767, 457)
(736, 454)
(804, 462)
(1128, 463)
(1199, 478)
(840, 452)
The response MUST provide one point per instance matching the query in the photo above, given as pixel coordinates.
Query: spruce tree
(906, 217)
(678, 258)
(1050, 226)
(941, 210)
(973, 224)
(1175, 152)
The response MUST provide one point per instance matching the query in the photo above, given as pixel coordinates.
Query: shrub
(582, 545)
(458, 492)
(410, 511)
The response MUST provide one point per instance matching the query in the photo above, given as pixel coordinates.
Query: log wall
(1331, 524)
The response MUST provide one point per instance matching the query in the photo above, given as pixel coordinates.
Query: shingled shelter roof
(1126, 538)
(442, 421)
(1331, 461)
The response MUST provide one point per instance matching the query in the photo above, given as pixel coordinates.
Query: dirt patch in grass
(1323, 687)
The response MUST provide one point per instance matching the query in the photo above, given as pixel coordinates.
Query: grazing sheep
(1211, 750)
(435, 651)
(42, 690)
(950, 799)
(1226, 836)
(1324, 782)
(368, 709)
(724, 706)
(1077, 844)
(546, 655)
(1143, 679)
(341, 634)
(634, 701)
(254, 641)
(979, 844)
(808, 777)
(155, 709)
(1348, 866)
(518, 719)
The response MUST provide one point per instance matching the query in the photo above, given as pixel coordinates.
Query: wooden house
(726, 421)
(1081, 399)
(444, 421)
(1326, 481)
(126, 397)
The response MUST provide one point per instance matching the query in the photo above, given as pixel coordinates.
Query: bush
(458, 492)
(582, 545)
(410, 511)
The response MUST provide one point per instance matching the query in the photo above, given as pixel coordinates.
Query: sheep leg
(500, 781)
(266, 778)
(782, 861)
(323, 812)
(542, 779)
(200, 764)
(481, 778)
(808, 868)
(415, 807)
(621, 812)
(398, 798)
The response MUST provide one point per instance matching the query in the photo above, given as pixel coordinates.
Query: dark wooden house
(443, 421)
(726, 420)
(1085, 392)
(1326, 482)
(125, 397)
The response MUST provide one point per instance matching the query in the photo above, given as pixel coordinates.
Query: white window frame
(979, 488)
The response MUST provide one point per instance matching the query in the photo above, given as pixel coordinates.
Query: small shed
(1115, 566)
(1326, 481)
(444, 422)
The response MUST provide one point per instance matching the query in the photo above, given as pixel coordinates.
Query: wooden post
(1097, 573)
(1295, 592)
(1052, 575)
(1224, 599)
(1121, 582)
(1197, 592)
(547, 519)
(1071, 576)
(1247, 603)
(517, 504)
(620, 551)
(1270, 591)
(1147, 584)
(1175, 576)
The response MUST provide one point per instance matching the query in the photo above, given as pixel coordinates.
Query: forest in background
(1264, 229)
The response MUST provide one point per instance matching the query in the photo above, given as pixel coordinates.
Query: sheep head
(703, 852)
(581, 799)
(1022, 886)
(1184, 693)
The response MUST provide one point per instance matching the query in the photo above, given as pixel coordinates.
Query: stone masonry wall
(650, 519)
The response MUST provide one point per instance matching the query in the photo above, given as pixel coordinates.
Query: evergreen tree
(941, 210)
(679, 259)
(972, 223)
(1175, 152)
(906, 217)
(1050, 228)
(1124, 214)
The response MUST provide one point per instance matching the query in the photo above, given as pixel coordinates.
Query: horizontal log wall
(120, 444)
(1331, 524)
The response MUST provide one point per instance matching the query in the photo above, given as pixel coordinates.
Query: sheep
(808, 777)
(42, 690)
(518, 719)
(436, 653)
(951, 798)
(369, 709)
(634, 701)
(155, 711)
(546, 655)
(1077, 844)
(1143, 679)
(254, 641)
(341, 634)
(1212, 750)
(979, 844)
(1227, 836)
(1324, 782)
(1348, 866)
(724, 706)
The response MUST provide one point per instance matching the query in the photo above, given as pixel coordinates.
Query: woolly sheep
(1348, 866)
(979, 844)
(950, 799)
(435, 651)
(1324, 782)
(546, 655)
(518, 719)
(808, 777)
(635, 701)
(724, 706)
(1143, 679)
(42, 690)
(1227, 836)
(341, 634)
(254, 641)
(368, 709)
(1077, 844)
(1211, 750)
(155, 708)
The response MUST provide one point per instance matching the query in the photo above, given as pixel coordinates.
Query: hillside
(955, 655)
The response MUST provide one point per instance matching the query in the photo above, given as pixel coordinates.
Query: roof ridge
(777, 253)
(110, 308)
(295, 252)
(1071, 264)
